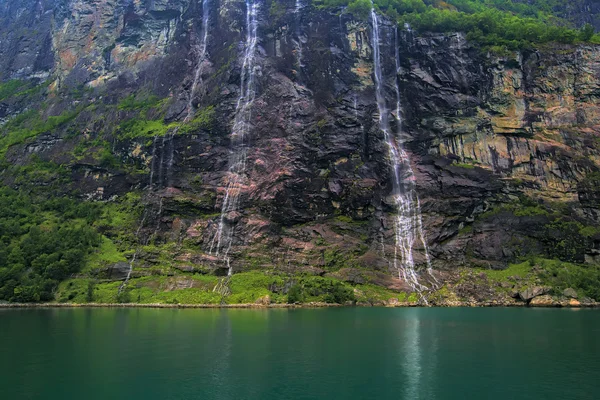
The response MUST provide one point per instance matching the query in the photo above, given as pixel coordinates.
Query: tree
(360, 8)
(586, 33)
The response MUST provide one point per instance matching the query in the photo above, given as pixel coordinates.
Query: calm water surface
(351, 353)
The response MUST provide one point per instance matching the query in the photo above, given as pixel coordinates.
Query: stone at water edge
(530, 293)
(542, 301)
(570, 292)
(394, 302)
(574, 303)
(265, 300)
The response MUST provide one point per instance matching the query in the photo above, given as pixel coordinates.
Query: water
(299, 35)
(408, 226)
(236, 179)
(353, 353)
(202, 57)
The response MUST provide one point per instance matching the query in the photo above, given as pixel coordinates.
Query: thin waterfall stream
(222, 241)
(162, 180)
(202, 57)
(408, 226)
(297, 10)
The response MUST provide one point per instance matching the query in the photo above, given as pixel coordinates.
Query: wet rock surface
(504, 148)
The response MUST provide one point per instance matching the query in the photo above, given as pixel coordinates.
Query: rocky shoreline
(389, 304)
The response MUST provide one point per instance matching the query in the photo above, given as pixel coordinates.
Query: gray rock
(185, 268)
(570, 292)
(587, 300)
(535, 291)
(118, 271)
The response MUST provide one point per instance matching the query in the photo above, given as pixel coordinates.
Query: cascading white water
(201, 50)
(162, 180)
(152, 164)
(408, 228)
(298, 7)
(418, 222)
(167, 143)
(223, 238)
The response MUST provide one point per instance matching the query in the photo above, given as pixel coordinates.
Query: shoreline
(289, 306)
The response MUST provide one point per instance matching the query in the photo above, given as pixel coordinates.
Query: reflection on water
(411, 351)
(221, 364)
(426, 354)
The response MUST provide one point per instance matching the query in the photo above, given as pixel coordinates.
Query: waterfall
(164, 178)
(408, 229)
(161, 170)
(201, 50)
(236, 180)
(153, 162)
(297, 9)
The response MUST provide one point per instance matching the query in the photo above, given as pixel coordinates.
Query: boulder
(570, 292)
(118, 271)
(587, 301)
(542, 301)
(574, 303)
(535, 291)
(264, 301)
(393, 302)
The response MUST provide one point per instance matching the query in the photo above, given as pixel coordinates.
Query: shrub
(295, 294)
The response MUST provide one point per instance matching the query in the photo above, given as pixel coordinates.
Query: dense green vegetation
(494, 23)
(245, 287)
(41, 243)
(30, 124)
(585, 279)
(558, 275)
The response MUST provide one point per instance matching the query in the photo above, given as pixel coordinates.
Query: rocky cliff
(117, 101)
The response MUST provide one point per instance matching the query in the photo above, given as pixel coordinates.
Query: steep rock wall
(488, 136)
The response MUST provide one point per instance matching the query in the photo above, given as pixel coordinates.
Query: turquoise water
(350, 353)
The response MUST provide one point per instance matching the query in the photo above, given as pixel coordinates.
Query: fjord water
(351, 353)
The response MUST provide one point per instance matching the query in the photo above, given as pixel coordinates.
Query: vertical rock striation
(264, 135)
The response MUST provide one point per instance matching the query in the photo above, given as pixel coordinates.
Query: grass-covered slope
(57, 241)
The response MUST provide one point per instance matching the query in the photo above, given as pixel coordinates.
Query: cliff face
(505, 150)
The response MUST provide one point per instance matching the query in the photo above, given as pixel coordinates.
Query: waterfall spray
(407, 221)
(223, 238)
(202, 56)
(297, 9)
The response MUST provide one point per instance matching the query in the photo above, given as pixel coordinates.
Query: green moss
(413, 298)
(204, 119)
(10, 88)
(375, 294)
(524, 207)
(589, 231)
(107, 254)
(530, 211)
(465, 230)
(30, 124)
(521, 270)
(133, 102)
(345, 219)
(136, 128)
(121, 214)
(463, 165)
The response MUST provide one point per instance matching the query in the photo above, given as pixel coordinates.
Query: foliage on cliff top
(504, 23)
